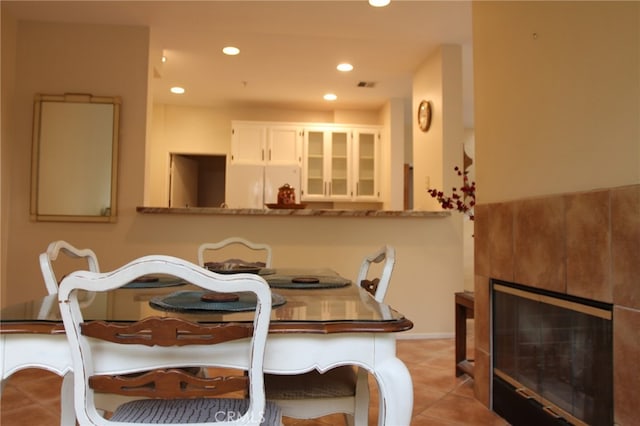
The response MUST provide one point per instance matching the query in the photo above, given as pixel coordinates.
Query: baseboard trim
(424, 336)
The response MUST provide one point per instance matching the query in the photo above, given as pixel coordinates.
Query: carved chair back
(165, 345)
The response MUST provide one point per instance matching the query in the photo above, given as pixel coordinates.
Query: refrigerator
(252, 186)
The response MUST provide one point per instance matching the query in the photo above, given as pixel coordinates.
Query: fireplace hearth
(553, 353)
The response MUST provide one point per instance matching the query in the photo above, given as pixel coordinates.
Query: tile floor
(31, 397)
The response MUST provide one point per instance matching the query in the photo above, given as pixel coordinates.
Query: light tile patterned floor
(31, 397)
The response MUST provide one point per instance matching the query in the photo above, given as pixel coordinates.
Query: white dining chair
(343, 389)
(51, 255)
(386, 256)
(51, 281)
(80, 259)
(161, 345)
(264, 250)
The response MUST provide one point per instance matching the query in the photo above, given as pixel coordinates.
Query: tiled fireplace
(582, 245)
(552, 357)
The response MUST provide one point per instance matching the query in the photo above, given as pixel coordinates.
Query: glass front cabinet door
(339, 187)
(341, 164)
(366, 164)
(327, 164)
(313, 168)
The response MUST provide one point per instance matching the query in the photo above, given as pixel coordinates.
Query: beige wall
(8, 39)
(557, 97)
(57, 58)
(393, 153)
(437, 151)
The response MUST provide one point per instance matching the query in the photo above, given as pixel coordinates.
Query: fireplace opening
(552, 357)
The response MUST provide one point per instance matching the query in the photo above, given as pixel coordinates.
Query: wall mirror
(74, 158)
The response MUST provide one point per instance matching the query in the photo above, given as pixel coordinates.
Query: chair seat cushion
(212, 410)
(337, 382)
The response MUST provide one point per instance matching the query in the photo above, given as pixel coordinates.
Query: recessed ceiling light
(345, 67)
(164, 59)
(230, 50)
(379, 3)
(330, 97)
(177, 90)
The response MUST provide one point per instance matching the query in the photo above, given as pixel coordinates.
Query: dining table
(318, 321)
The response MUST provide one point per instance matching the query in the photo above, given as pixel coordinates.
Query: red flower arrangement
(462, 201)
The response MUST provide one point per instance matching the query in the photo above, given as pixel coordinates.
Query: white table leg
(67, 413)
(2, 366)
(396, 393)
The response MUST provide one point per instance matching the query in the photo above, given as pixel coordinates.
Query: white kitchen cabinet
(340, 163)
(265, 143)
(284, 145)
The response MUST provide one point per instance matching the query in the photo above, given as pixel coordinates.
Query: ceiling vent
(366, 84)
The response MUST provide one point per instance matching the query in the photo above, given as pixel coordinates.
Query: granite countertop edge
(291, 212)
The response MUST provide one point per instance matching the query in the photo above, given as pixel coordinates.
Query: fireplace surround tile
(481, 238)
(553, 223)
(501, 241)
(539, 243)
(626, 380)
(587, 242)
(625, 245)
(481, 323)
(481, 378)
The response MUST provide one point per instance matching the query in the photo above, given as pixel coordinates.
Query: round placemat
(154, 281)
(306, 281)
(188, 301)
(232, 268)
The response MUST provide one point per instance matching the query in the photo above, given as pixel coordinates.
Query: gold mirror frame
(74, 159)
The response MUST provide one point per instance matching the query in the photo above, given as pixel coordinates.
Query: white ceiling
(289, 49)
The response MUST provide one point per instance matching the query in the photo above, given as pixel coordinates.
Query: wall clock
(424, 115)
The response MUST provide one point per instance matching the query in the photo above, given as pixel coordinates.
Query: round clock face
(424, 115)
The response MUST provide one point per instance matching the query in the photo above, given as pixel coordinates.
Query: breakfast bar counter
(212, 211)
